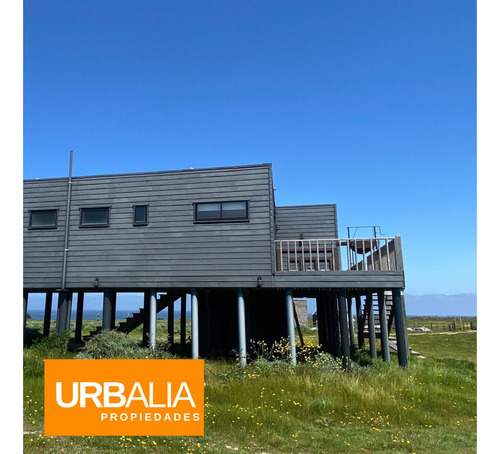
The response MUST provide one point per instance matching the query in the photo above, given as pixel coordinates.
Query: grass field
(315, 407)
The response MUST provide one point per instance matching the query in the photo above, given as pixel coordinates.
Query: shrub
(114, 344)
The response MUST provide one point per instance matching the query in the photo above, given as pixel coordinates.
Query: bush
(114, 344)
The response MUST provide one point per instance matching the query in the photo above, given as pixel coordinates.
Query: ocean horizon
(96, 314)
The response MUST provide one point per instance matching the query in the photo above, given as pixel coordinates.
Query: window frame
(43, 227)
(220, 219)
(136, 223)
(92, 226)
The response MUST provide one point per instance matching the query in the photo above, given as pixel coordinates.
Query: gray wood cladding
(172, 250)
(313, 221)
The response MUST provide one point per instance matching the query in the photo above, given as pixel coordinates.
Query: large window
(43, 219)
(94, 217)
(221, 211)
(140, 215)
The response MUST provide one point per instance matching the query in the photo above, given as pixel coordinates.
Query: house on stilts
(214, 236)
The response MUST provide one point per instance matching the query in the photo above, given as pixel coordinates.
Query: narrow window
(140, 215)
(221, 211)
(43, 219)
(94, 217)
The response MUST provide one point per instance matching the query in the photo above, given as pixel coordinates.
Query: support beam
(384, 334)
(79, 318)
(152, 318)
(47, 315)
(145, 326)
(371, 326)
(68, 313)
(62, 311)
(290, 324)
(25, 307)
(170, 323)
(113, 309)
(361, 323)
(107, 309)
(242, 337)
(195, 351)
(183, 324)
(344, 330)
(352, 337)
(401, 332)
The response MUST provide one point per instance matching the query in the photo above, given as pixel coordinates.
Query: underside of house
(215, 238)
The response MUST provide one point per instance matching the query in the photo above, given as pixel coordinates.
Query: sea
(94, 314)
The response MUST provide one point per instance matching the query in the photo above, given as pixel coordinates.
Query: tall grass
(315, 407)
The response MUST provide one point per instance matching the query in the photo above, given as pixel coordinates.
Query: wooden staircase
(137, 318)
(376, 314)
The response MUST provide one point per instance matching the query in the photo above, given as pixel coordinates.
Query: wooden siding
(171, 251)
(43, 249)
(314, 221)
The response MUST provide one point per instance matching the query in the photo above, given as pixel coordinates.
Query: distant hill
(441, 304)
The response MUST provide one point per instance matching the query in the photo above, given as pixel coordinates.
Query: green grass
(315, 407)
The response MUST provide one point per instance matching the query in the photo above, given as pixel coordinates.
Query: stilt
(145, 326)
(152, 319)
(361, 323)
(352, 337)
(170, 323)
(68, 313)
(194, 325)
(79, 318)
(384, 334)
(107, 308)
(47, 314)
(113, 309)
(400, 323)
(183, 324)
(344, 330)
(242, 338)
(322, 327)
(25, 307)
(290, 325)
(371, 326)
(62, 311)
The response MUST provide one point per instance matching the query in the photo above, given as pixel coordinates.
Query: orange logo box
(124, 397)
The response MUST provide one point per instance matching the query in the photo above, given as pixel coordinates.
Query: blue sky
(367, 104)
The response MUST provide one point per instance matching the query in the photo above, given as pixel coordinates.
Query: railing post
(398, 252)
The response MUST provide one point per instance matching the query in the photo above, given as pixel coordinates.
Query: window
(221, 211)
(94, 217)
(140, 215)
(43, 219)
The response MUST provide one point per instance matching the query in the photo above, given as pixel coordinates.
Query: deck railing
(339, 254)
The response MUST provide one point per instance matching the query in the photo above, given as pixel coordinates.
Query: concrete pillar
(384, 334)
(290, 324)
(183, 323)
(242, 337)
(107, 309)
(63, 303)
(152, 318)
(47, 314)
(79, 318)
(400, 324)
(194, 325)
(344, 330)
(371, 326)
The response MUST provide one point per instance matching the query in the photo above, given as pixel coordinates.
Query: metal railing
(339, 254)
